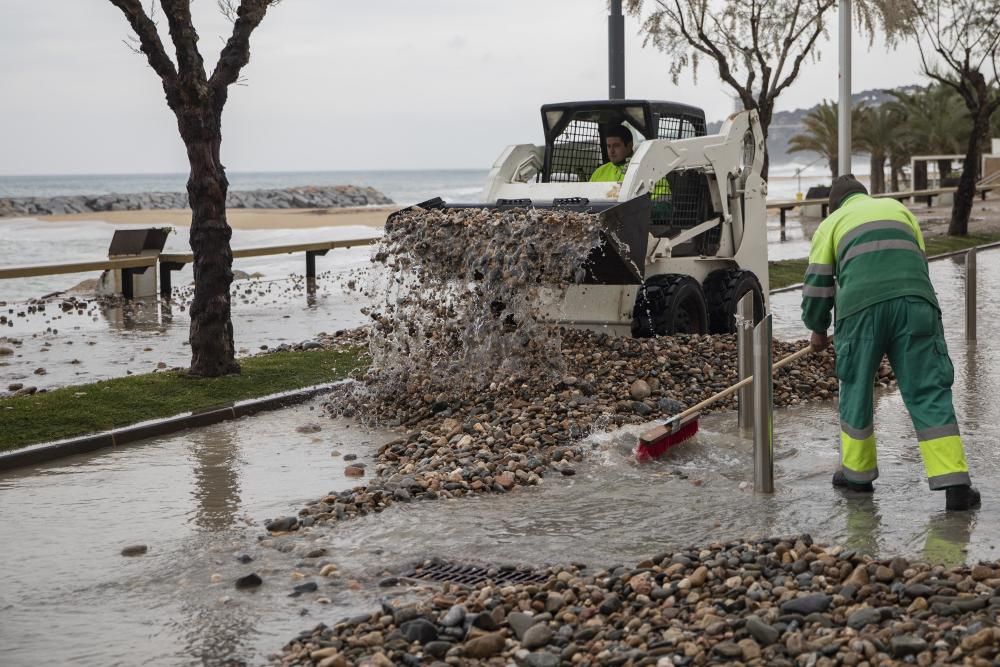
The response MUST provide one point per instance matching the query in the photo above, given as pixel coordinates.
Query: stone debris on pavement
(515, 432)
(765, 602)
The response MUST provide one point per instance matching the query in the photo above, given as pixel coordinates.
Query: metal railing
(744, 352)
(970, 294)
(982, 189)
(763, 408)
(129, 267)
(169, 262)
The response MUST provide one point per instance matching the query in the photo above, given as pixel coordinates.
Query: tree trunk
(965, 195)
(877, 168)
(211, 335)
(765, 112)
(833, 164)
(944, 169)
(920, 176)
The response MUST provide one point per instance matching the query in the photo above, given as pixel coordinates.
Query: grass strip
(785, 272)
(100, 406)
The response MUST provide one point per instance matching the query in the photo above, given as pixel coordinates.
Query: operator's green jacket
(615, 173)
(868, 258)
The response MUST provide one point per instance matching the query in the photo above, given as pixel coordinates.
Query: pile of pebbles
(767, 602)
(488, 396)
(514, 432)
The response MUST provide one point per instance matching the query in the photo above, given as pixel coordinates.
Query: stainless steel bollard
(744, 348)
(763, 403)
(970, 295)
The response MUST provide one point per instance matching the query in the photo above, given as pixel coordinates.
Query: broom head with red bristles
(656, 441)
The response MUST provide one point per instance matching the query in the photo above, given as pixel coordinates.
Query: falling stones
(462, 300)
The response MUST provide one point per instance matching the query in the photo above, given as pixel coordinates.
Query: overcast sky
(332, 84)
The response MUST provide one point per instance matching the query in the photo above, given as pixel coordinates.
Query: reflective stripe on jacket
(867, 251)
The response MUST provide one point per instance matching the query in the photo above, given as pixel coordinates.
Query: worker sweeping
(867, 258)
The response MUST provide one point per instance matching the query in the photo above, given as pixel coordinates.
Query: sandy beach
(241, 218)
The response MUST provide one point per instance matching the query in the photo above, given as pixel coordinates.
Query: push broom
(657, 440)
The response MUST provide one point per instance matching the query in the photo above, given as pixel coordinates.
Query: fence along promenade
(170, 262)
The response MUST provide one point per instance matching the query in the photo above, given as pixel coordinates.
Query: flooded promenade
(198, 500)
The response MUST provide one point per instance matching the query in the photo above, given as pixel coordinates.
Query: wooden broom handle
(794, 356)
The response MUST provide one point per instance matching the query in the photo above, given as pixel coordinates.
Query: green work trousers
(908, 329)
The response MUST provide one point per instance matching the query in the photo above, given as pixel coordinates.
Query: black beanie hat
(842, 188)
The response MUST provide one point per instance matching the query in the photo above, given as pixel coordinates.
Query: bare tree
(757, 46)
(958, 41)
(197, 101)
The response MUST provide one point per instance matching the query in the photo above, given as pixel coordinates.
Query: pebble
(281, 524)
(864, 617)
(135, 550)
(484, 647)
(251, 580)
(639, 390)
(761, 631)
(537, 636)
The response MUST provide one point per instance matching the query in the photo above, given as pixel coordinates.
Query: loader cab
(575, 135)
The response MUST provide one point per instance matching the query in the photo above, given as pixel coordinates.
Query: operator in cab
(618, 142)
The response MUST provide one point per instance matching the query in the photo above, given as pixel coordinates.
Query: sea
(26, 241)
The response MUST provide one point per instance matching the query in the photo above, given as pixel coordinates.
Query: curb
(944, 255)
(50, 451)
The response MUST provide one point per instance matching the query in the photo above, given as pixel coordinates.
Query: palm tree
(878, 134)
(934, 121)
(820, 135)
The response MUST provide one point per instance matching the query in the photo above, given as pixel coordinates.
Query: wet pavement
(102, 341)
(198, 500)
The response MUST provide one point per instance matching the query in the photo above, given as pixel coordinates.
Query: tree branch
(236, 53)
(797, 63)
(149, 43)
(190, 66)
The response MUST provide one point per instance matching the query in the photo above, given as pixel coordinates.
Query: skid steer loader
(686, 228)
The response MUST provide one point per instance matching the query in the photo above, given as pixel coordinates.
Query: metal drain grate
(471, 574)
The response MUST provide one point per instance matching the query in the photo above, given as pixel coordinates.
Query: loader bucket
(620, 259)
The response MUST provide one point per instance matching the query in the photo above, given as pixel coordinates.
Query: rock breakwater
(338, 196)
(768, 602)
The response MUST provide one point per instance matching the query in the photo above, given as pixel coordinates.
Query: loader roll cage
(575, 131)
(574, 148)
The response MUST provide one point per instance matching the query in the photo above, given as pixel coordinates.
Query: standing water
(198, 499)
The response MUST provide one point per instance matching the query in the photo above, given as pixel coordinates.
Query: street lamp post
(844, 104)
(616, 52)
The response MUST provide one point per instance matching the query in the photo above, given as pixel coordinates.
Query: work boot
(962, 497)
(841, 482)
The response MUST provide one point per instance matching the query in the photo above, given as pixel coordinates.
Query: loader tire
(723, 290)
(669, 304)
